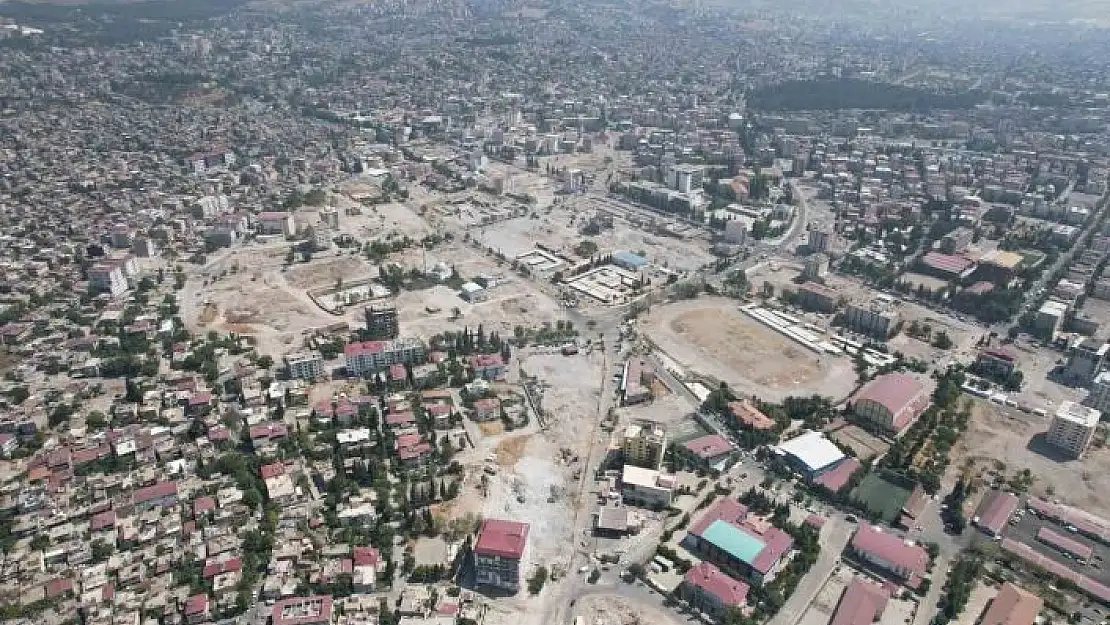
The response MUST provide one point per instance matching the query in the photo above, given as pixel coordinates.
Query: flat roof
(1078, 414)
(813, 450)
(733, 540)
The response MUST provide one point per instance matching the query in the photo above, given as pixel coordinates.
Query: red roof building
(161, 494)
(947, 265)
(749, 417)
(1012, 606)
(892, 401)
(900, 557)
(710, 591)
(268, 471)
(502, 539)
(861, 604)
(995, 511)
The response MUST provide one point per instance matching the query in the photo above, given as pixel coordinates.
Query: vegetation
(537, 581)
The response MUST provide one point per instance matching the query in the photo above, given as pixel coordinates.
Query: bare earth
(712, 337)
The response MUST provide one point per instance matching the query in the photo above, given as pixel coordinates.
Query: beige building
(643, 444)
(1073, 427)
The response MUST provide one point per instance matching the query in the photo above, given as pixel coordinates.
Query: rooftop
(504, 539)
(813, 450)
(1078, 414)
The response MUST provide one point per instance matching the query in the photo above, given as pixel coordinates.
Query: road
(834, 537)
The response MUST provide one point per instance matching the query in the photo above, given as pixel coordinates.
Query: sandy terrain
(710, 336)
(615, 610)
(1004, 434)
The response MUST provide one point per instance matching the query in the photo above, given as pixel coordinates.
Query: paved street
(834, 538)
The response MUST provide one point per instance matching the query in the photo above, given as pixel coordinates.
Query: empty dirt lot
(711, 336)
(1010, 436)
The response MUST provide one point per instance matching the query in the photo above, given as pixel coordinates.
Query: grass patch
(883, 495)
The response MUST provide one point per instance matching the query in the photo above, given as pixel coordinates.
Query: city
(554, 313)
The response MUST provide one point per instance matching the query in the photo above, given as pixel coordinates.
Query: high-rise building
(819, 240)
(382, 322)
(1073, 427)
(305, 365)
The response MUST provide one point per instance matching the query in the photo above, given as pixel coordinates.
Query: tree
(942, 340)
(265, 361)
(96, 420)
(538, 579)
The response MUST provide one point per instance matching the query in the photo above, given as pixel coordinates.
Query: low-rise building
(1012, 606)
(744, 546)
(861, 603)
(995, 511)
(710, 591)
(636, 381)
(648, 488)
(373, 356)
(892, 402)
(315, 610)
(903, 559)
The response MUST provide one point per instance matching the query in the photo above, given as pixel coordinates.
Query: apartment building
(872, 319)
(107, 278)
(373, 356)
(382, 322)
(1099, 398)
(498, 553)
(305, 365)
(644, 443)
(1073, 428)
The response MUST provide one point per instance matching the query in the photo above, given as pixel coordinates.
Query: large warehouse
(811, 453)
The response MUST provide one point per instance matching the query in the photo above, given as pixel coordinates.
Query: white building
(305, 365)
(647, 487)
(372, 356)
(1050, 318)
(107, 279)
(1073, 427)
(1099, 399)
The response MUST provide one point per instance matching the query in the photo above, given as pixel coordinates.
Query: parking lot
(1024, 529)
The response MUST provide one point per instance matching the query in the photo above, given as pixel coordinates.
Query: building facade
(644, 443)
(382, 322)
(1073, 428)
(498, 553)
(305, 365)
(373, 356)
(871, 319)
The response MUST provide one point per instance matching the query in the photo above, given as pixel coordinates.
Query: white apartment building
(1073, 427)
(305, 365)
(372, 356)
(107, 279)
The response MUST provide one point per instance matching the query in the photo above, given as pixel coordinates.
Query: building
(382, 322)
(644, 443)
(872, 318)
(107, 278)
(742, 545)
(861, 603)
(1099, 397)
(1050, 318)
(947, 266)
(891, 402)
(711, 451)
(901, 558)
(489, 366)
(1012, 606)
(816, 266)
(315, 610)
(276, 223)
(998, 363)
(305, 365)
(636, 381)
(956, 241)
(710, 591)
(736, 231)
(684, 178)
(811, 454)
(373, 356)
(745, 416)
(498, 553)
(648, 488)
(1085, 361)
(629, 261)
(473, 292)
(1073, 428)
(817, 297)
(819, 240)
(994, 512)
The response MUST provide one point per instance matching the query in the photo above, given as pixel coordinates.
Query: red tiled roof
(728, 591)
(484, 406)
(365, 347)
(218, 433)
(157, 491)
(399, 418)
(890, 548)
(946, 262)
(505, 539)
(57, 587)
(203, 504)
(724, 509)
(1064, 543)
(861, 604)
(200, 398)
(197, 604)
(838, 478)
(103, 520)
(709, 446)
(268, 471)
(995, 510)
(397, 373)
(1012, 606)
(748, 415)
(214, 568)
(485, 361)
(903, 395)
(414, 451)
(367, 556)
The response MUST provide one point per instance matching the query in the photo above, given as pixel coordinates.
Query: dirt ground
(865, 444)
(712, 337)
(615, 610)
(998, 433)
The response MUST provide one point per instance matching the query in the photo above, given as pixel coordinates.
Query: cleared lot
(712, 337)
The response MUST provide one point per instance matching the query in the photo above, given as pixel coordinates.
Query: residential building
(736, 231)
(710, 591)
(745, 416)
(644, 443)
(1073, 428)
(276, 223)
(107, 278)
(901, 558)
(956, 241)
(998, 362)
(636, 381)
(711, 451)
(1085, 361)
(1099, 397)
(816, 267)
(742, 545)
(498, 552)
(648, 488)
(367, 564)
(892, 402)
(1012, 606)
(373, 356)
(382, 322)
(873, 319)
(1050, 318)
(489, 366)
(305, 365)
(817, 297)
(819, 240)
(314, 610)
